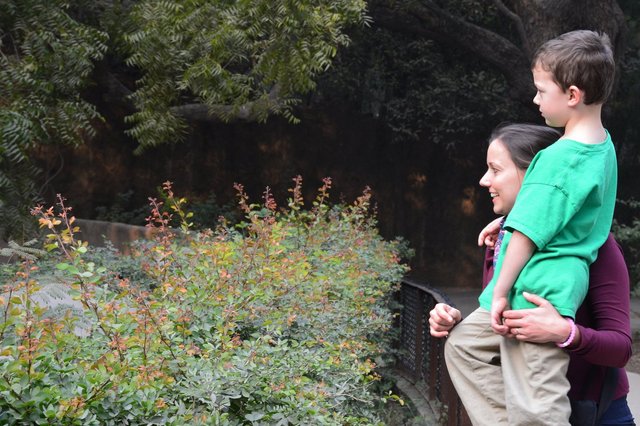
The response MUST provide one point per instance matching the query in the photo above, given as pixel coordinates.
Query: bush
(282, 319)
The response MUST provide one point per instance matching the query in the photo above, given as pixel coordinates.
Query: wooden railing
(421, 356)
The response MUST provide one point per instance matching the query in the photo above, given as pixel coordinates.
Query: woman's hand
(442, 318)
(537, 325)
(489, 234)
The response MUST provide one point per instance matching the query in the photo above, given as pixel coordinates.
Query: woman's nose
(484, 180)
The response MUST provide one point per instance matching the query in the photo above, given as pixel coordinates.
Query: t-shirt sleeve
(541, 210)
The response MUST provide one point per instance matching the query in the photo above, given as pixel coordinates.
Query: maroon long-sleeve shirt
(603, 320)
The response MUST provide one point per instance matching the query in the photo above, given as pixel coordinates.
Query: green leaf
(255, 416)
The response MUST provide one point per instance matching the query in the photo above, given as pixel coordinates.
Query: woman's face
(503, 178)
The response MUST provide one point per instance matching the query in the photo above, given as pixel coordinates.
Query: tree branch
(428, 20)
(117, 92)
(202, 112)
(250, 111)
(524, 39)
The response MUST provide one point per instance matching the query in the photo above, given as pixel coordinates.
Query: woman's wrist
(576, 339)
(571, 336)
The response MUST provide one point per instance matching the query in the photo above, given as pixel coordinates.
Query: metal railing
(421, 356)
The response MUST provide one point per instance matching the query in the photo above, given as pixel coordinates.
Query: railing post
(421, 357)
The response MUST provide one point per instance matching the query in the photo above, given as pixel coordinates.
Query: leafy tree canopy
(45, 58)
(191, 59)
(234, 59)
(168, 63)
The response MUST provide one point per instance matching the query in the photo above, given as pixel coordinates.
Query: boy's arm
(517, 255)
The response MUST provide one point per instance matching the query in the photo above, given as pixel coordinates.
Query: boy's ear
(575, 95)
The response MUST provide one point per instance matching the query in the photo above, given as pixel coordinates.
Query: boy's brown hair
(580, 58)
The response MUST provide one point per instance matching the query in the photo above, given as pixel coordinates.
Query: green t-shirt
(565, 207)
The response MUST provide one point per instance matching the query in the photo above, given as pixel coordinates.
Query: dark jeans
(618, 414)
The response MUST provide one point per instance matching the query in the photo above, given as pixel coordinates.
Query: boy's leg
(535, 383)
(472, 353)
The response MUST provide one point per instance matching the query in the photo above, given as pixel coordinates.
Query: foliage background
(400, 108)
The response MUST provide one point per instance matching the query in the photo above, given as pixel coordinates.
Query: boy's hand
(442, 318)
(498, 306)
(489, 234)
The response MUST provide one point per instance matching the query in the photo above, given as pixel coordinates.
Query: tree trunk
(535, 22)
(545, 19)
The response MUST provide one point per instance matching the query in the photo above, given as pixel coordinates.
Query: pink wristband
(571, 335)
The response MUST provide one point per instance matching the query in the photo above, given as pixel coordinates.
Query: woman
(602, 337)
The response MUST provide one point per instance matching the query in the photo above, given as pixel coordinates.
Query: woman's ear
(575, 95)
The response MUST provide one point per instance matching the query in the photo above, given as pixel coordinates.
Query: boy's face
(552, 100)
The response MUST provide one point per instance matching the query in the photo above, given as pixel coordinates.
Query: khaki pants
(502, 381)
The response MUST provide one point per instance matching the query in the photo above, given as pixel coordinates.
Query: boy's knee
(452, 345)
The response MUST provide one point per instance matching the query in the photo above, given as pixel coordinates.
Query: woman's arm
(604, 320)
(603, 335)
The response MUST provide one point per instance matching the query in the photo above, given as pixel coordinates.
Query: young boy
(561, 217)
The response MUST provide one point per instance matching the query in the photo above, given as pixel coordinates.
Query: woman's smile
(503, 178)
